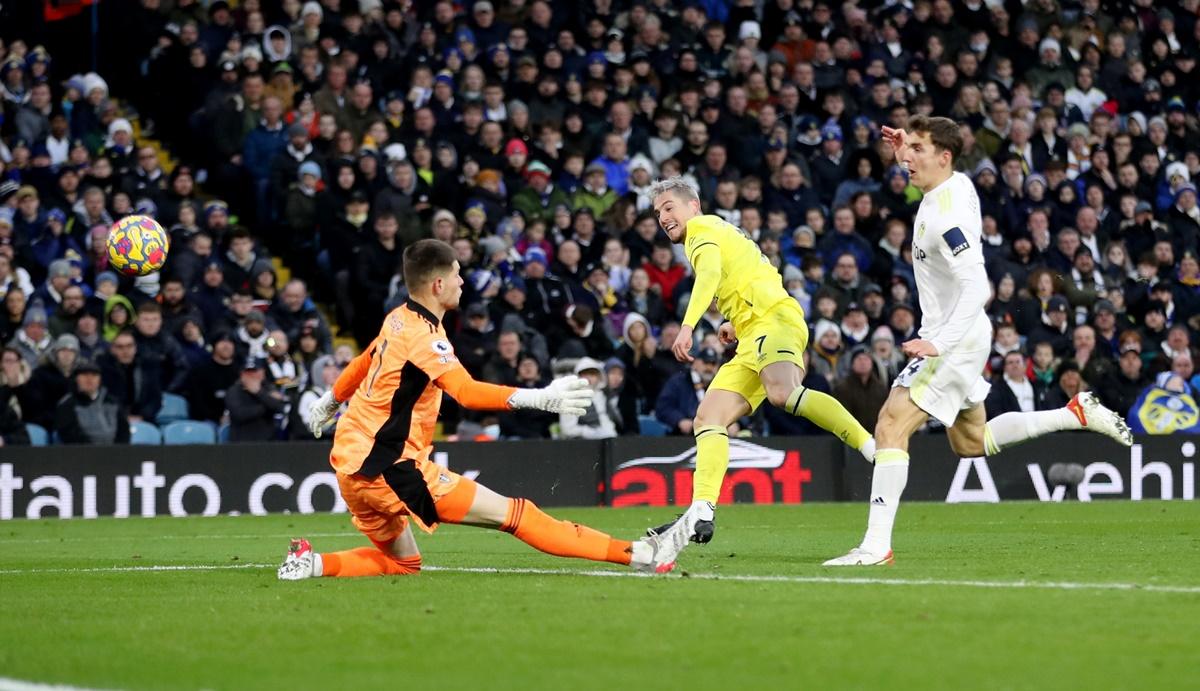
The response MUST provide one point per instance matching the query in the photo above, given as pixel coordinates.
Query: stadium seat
(174, 407)
(144, 433)
(190, 432)
(223, 434)
(651, 427)
(38, 436)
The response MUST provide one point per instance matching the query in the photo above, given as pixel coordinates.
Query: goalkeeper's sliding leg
(382, 508)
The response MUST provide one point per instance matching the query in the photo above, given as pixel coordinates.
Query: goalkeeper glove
(570, 395)
(322, 413)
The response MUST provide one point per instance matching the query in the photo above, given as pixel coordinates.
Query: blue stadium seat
(223, 434)
(190, 432)
(174, 407)
(38, 436)
(144, 433)
(651, 427)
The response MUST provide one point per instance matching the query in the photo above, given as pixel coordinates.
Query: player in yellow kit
(769, 328)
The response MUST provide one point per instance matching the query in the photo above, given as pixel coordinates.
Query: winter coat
(80, 419)
(252, 417)
(677, 401)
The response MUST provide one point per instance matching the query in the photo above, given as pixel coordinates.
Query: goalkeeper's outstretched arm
(571, 395)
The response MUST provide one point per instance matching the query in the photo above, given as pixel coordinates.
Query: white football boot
(298, 564)
(868, 451)
(667, 544)
(861, 557)
(1096, 418)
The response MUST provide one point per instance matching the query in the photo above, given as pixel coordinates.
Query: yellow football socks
(829, 414)
(712, 459)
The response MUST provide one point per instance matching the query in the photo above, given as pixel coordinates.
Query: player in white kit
(943, 378)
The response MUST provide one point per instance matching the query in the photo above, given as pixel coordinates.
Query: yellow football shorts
(779, 335)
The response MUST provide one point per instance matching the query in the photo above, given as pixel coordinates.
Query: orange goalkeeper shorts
(380, 506)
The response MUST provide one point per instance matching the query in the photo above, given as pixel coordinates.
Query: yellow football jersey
(729, 266)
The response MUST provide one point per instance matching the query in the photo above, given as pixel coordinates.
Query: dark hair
(149, 308)
(425, 258)
(943, 132)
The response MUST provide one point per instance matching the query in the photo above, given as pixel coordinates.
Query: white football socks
(1011, 429)
(701, 510)
(887, 484)
(318, 565)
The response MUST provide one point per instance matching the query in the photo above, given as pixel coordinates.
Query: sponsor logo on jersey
(442, 347)
(956, 240)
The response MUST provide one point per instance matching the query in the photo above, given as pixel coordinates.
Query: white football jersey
(948, 263)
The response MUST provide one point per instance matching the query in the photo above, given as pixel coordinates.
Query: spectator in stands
(255, 406)
(642, 381)
(586, 334)
(176, 308)
(211, 295)
(90, 414)
(537, 425)
(861, 390)
(12, 427)
(153, 344)
(502, 367)
(261, 146)
(1011, 391)
(15, 374)
(476, 339)
(664, 273)
(87, 330)
(293, 311)
(130, 378)
(596, 423)
(70, 308)
(889, 360)
(321, 377)
(32, 340)
(283, 371)
(377, 262)
(1055, 326)
(208, 382)
(682, 393)
(50, 381)
(594, 193)
(239, 260)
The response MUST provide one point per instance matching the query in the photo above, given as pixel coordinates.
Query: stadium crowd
(526, 133)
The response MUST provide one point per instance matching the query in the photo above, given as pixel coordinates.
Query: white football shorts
(945, 385)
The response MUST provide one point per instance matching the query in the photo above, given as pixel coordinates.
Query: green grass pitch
(1019, 595)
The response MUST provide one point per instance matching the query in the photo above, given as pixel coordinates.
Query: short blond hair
(676, 185)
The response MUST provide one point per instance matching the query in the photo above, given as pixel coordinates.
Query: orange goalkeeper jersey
(395, 390)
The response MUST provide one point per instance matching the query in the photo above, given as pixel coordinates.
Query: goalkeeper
(382, 445)
(769, 327)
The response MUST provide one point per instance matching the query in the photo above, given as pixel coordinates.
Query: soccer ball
(137, 245)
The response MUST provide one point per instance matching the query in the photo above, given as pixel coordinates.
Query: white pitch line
(737, 578)
(754, 578)
(140, 568)
(7, 684)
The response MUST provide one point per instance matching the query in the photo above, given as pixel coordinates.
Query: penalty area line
(736, 578)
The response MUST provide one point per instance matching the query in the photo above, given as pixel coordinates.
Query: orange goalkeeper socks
(368, 561)
(532, 526)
